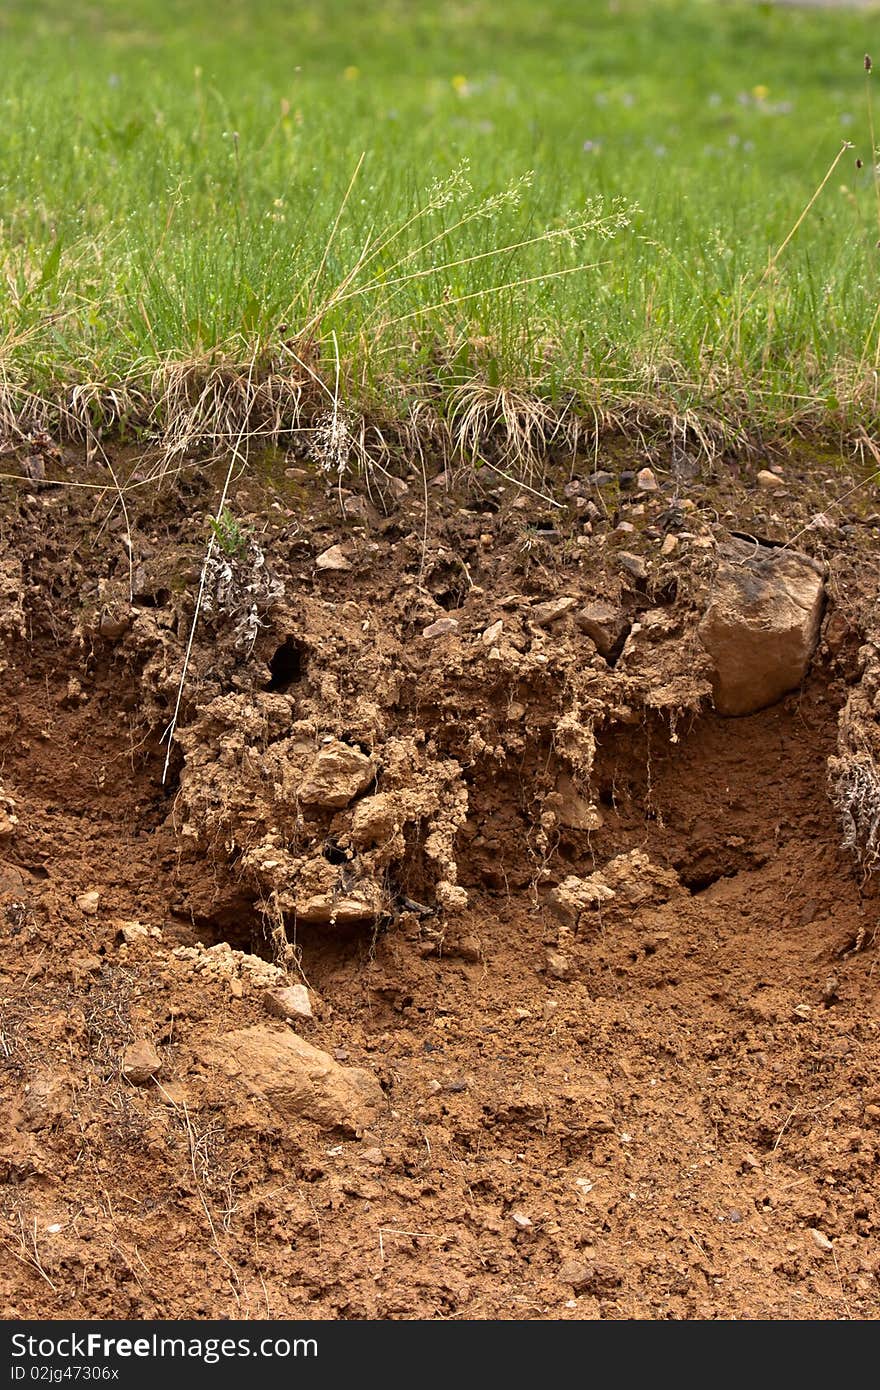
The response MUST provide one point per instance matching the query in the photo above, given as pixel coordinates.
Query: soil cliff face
(501, 940)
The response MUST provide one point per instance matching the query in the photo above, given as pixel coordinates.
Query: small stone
(626, 478)
(603, 624)
(521, 1220)
(669, 546)
(111, 627)
(801, 1013)
(645, 481)
(172, 1093)
(769, 480)
(821, 1241)
(829, 990)
(543, 614)
(140, 1062)
(633, 564)
(575, 1273)
(441, 626)
(601, 478)
(470, 949)
(236, 989)
(550, 1007)
(88, 902)
(333, 559)
(559, 966)
(292, 1001)
(521, 1014)
(132, 932)
(492, 633)
(625, 526)
(373, 1155)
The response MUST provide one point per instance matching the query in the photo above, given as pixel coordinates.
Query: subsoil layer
(397, 744)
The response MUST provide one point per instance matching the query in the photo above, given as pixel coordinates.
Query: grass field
(455, 210)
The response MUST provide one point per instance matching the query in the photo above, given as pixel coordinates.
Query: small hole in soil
(699, 882)
(333, 853)
(158, 599)
(286, 665)
(450, 598)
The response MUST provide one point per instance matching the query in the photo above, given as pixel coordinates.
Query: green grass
(176, 188)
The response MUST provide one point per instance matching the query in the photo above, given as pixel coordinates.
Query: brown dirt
(663, 1106)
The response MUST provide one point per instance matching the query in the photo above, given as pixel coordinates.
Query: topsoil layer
(386, 764)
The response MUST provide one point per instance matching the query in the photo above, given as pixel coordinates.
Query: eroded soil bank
(592, 975)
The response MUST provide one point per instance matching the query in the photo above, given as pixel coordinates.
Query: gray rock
(761, 626)
(603, 624)
(633, 564)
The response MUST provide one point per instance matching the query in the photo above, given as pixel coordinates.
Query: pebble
(333, 559)
(669, 546)
(88, 902)
(645, 481)
(545, 613)
(559, 966)
(521, 1220)
(575, 1273)
(821, 1241)
(769, 480)
(172, 1093)
(470, 949)
(140, 1062)
(492, 633)
(441, 626)
(290, 1002)
(633, 564)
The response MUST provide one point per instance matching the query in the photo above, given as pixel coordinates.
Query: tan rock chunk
(140, 1062)
(296, 1079)
(333, 559)
(292, 1001)
(543, 614)
(762, 625)
(337, 773)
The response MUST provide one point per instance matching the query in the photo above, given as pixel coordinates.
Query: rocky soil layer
(475, 919)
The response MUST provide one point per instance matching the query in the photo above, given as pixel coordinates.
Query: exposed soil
(661, 1101)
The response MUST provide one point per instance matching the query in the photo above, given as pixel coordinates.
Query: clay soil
(665, 1106)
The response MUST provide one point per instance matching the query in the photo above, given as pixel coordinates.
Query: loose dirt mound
(589, 1026)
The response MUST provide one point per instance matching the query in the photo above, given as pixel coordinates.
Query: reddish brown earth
(666, 1106)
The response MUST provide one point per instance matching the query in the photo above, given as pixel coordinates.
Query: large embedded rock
(337, 773)
(605, 625)
(761, 626)
(296, 1079)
